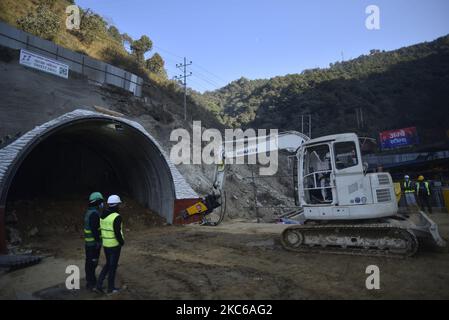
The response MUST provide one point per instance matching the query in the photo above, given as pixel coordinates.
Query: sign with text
(41, 63)
(398, 138)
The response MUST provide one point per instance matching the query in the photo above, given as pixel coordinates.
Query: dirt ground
(237, 260)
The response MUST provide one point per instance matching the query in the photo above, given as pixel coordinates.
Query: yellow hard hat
(421, 178)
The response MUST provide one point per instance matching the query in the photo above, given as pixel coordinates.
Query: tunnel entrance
(94, 155)
(81, 152)
(68, 164)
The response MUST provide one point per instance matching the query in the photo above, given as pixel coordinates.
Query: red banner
(398, 138)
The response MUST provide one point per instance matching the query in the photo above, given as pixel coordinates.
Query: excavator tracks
(380, 240)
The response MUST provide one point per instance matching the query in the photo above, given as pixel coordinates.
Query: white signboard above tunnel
(35, 61)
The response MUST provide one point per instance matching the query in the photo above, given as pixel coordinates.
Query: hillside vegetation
(102, 40)
(401, 88)
(96, 37)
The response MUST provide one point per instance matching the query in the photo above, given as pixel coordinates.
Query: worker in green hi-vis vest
(408, 188)
(112, 239)
(424, 194)
(92, 238)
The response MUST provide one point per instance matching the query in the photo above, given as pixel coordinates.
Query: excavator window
(345, 155)
(317, 175)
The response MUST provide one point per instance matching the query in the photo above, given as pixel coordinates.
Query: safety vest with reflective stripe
(408, 188)
(426, 186)
(107, 231)
(88, 235)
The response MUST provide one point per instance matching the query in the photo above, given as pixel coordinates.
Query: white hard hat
(114, 200)
(406, 177)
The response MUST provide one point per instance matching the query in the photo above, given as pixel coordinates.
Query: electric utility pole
(309, 116)
(183, 67)
(359, 116)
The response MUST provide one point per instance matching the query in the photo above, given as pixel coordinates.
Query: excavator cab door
(350, 180)
(296, 180)
(316, 183)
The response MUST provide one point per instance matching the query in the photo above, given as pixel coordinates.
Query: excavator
(341, 208)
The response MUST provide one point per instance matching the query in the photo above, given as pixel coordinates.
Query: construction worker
(324, 165)
(423, 193)
(92, 237)
(409, 191)
(112, 238)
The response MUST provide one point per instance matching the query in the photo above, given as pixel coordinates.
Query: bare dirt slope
(237, 260)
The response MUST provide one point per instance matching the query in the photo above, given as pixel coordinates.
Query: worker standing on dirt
(112, 238)
(409, 191)
(423, 193)
(92, 237)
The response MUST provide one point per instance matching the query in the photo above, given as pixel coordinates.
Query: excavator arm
(289, 141)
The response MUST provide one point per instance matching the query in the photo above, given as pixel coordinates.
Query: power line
(172, 69)
(216, 83)
(198, 84)
(183, 67)
(204, 77)
(174, 62)
(195, 66)
(206, 86)
(207, 81)
(169, 52)
(210, 85)
(212, 74)
(199, 76)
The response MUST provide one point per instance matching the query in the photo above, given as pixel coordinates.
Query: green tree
(140, 47)
(126, 38)
(156, 65)
(92, 27)
(115, 34)
(42, 23)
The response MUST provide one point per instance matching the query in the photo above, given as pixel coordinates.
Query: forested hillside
(401, 88)
(405, 87)
(101, 39)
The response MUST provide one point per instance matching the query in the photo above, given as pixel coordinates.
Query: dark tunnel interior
(65, 165)
(99, 155)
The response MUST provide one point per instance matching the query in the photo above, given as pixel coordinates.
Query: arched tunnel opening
(63, 166)
(93, 155)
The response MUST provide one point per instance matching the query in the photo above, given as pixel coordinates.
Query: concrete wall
(95, 70)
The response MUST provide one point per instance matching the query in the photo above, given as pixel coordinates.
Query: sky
(229, 39)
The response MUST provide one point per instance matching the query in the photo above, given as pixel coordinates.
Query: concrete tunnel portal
(83, 151)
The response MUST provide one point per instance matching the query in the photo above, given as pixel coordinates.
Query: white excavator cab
(333, 184)
(346, 210)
